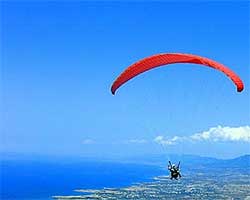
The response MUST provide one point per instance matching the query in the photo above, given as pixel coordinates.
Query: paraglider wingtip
(240, 89)
(112, 89)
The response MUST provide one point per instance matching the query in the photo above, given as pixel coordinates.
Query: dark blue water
(43, 179)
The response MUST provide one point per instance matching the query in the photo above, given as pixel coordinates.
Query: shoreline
(192, 186)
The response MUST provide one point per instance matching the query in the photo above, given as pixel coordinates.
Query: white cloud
(215, 134)
(220, 133)
(88, 141)
(137, 141)
(164, 141)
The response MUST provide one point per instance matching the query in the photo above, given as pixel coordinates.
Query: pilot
(174, 171)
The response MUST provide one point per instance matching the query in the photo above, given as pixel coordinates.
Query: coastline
(229, 185)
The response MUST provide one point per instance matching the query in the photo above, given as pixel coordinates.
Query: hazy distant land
(199, 186)
(216, 179)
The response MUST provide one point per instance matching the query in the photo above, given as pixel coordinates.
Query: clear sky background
(60, 59)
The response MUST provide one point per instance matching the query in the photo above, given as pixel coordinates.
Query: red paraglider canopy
(171, 58)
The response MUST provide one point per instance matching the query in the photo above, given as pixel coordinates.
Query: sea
(41, 179)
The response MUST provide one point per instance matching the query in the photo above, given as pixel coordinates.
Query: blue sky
(60, 59)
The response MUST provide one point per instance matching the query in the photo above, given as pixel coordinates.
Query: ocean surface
(29, 179)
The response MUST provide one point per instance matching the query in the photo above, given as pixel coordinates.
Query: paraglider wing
(171, 58)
